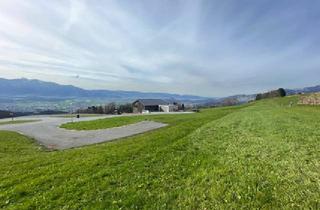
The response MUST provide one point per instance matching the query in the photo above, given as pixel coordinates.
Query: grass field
(263, 155)
(16, 122)
(104, 123)
(75, 115)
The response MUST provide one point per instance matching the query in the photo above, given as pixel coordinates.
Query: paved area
(47, 131)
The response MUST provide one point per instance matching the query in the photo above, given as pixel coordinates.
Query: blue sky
(209, 48)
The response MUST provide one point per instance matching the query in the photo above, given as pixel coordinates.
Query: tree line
(110, 108)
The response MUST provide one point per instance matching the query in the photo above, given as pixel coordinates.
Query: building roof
(151, 102)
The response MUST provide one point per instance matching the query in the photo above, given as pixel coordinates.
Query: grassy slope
(16, 122)
(266, 155)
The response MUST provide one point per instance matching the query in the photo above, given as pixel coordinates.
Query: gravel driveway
(48, 133)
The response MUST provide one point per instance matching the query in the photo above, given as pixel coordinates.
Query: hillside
(240, 99)
(264, 155)
(312, 89)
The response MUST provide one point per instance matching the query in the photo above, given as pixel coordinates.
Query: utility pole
(11, 113)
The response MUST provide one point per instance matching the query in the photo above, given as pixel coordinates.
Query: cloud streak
(211, 48)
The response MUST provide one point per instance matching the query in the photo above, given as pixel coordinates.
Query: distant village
(138, 106)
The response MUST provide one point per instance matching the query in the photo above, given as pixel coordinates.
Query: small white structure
(145, 112)
(168, 108)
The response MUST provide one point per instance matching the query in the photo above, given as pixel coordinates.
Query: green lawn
(75, 115)
(264, 155)
(17, 122)
(104, 123)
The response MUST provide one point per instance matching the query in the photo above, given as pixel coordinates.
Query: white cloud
(76, 12)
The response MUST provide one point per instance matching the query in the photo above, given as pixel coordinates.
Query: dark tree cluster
(110, 108)
(9, 114)
(272, 94)
(4, 114)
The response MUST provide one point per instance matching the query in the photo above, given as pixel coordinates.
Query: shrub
(282, 92)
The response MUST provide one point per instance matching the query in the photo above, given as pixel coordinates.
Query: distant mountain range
(25, 88)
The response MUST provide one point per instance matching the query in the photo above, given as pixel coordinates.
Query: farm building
(152, 105)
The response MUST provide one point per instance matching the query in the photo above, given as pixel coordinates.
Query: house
(150, 105)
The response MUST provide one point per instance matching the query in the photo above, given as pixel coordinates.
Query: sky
(207, 48)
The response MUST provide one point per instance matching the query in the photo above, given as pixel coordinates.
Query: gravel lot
(48, 133)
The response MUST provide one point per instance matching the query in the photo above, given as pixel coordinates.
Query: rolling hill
(312, 89)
